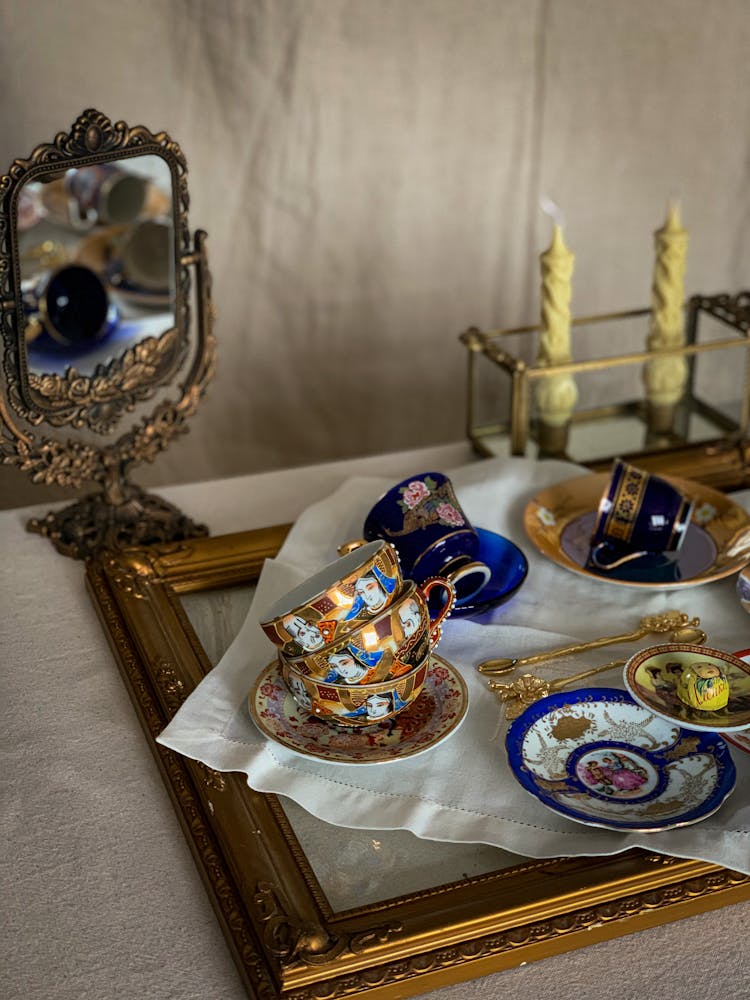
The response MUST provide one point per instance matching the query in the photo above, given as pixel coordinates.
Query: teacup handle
(436, 623)
(617, 562)
(346, 547)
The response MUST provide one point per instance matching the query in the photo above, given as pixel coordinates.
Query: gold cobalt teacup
(639, 514)
(351, 590)
(388, 646)
(356, 705)
(423, 519)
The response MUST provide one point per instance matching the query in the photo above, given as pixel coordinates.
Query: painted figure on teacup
(410, 617)
(378, 706)
(352, 666)
(299, 693)
(309, 636)
(372, 591)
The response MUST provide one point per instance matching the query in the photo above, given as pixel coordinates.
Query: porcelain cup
(638, 514)
(423, 519)
(146, 255)
(347, 592)
(105, 193)
(355, 705)
(71, 304)
(388, 646)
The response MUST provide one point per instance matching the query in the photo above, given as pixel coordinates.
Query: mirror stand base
(92, 524)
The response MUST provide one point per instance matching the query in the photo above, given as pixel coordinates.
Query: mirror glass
(97, 259)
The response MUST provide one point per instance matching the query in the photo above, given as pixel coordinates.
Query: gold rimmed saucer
(560, 518)
(436, 713)
(651, 676)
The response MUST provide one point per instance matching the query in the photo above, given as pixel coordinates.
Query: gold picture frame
(286, 938)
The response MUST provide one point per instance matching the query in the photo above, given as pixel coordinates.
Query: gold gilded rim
(551, 510)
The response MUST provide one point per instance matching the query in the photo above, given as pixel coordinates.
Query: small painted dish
(599, 758)
(740, 740)
(508, 568)
(560, 520)
(437, 714)
(654, 676)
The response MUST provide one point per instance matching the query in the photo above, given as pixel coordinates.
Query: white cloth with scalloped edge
(463, 789)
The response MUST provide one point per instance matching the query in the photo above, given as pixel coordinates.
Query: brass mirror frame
(97, 400)
(119, 512)
(284, 934)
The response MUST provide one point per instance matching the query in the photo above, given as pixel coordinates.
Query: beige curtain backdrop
(369, 174)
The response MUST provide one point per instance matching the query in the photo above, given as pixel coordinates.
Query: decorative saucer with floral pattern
(560, 519)
(598, 757)
(741, 740)
(436, 713)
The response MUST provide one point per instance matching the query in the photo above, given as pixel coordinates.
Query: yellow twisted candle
(557, 395)
(665, 378)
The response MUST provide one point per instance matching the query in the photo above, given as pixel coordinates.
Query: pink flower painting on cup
(449, 515)
(414, 493)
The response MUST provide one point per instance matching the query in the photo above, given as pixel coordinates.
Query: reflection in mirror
(97, 262)
(95, 270)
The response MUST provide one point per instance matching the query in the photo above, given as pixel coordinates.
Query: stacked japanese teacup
(354, 641)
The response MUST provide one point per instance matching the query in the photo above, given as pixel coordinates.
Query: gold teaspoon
(669, 621)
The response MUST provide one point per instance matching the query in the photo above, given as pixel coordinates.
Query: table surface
(100, 893)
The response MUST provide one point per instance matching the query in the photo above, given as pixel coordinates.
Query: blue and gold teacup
(70, 304)
(639, 514)
(423, 519)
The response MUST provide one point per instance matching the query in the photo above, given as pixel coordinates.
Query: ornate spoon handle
(564, 681)
(668, 621)
(500, 666)
(525, 690)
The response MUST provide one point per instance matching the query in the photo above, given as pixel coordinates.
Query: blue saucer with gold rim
(508, 568)
(599, 758)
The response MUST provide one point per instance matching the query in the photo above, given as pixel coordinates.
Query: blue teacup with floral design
(639, 514)
(423, 519)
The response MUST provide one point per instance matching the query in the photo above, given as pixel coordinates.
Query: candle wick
(552, 209)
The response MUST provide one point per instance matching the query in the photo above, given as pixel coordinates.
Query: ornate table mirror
(95, 261)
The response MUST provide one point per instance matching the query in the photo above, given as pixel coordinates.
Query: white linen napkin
(463, 789)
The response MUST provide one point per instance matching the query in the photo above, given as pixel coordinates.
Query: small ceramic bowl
(693, 685)
(355, 705)
(389, 646)
(351, 590)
